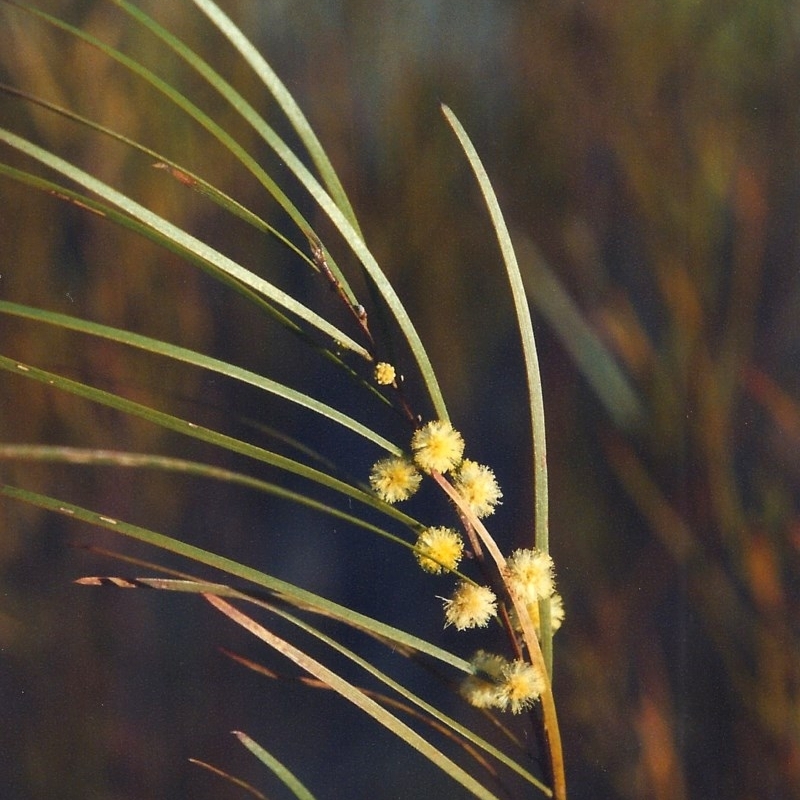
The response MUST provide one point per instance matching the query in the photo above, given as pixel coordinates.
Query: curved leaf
(284, 99)
(355, 696)
(268, 760)
(291, 593)
(323, 199)
(176, 170)
(128, 460)
(104, 210)
(199, 360)
(195, 431)
(182, 238)
(536, 405)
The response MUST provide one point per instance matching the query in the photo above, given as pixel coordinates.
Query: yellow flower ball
(530, 574)
(394, 479)
(439, 549)
(478, 486)
(470, 606)
(437, 446)
(499, 683)
(384, 373)
(521, 685)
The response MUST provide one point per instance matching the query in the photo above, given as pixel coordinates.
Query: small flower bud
(384, 373)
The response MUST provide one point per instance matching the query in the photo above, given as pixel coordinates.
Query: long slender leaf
(248, 113)
(181, 237)
(289, 592)
(323, 199)
(536, 405)
(195, 431)
(104, 210)
(285, 101)
(336, 214)
(201, 117)
(182, 102)
(221, 590)
(434, 712)
(335, 211)
(199, 360)
(280, 770)
(178, 171)
(116, 458)
(531, 360)
(381, 697)
(355, 696)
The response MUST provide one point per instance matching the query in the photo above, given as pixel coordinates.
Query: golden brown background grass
(650, 151)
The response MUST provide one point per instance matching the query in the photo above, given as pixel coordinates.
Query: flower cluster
(498, 683)
(436, 447)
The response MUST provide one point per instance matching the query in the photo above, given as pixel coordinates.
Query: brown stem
(555, 754)
(358, 312)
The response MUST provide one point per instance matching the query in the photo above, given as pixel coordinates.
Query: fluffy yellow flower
(490, 664)
(394, 479)
(521, 684)
(499, 683)
(437, 446)
(480, 693)
(478, 486)
(530, 574)
(556, 613)
(481, 689)
(470, 606)
(384, 373)
(439, 549)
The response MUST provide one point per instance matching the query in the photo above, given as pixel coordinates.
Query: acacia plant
(367, 335)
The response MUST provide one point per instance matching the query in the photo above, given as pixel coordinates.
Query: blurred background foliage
(646, 156)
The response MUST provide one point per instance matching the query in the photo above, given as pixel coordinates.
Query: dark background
(646, 155)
